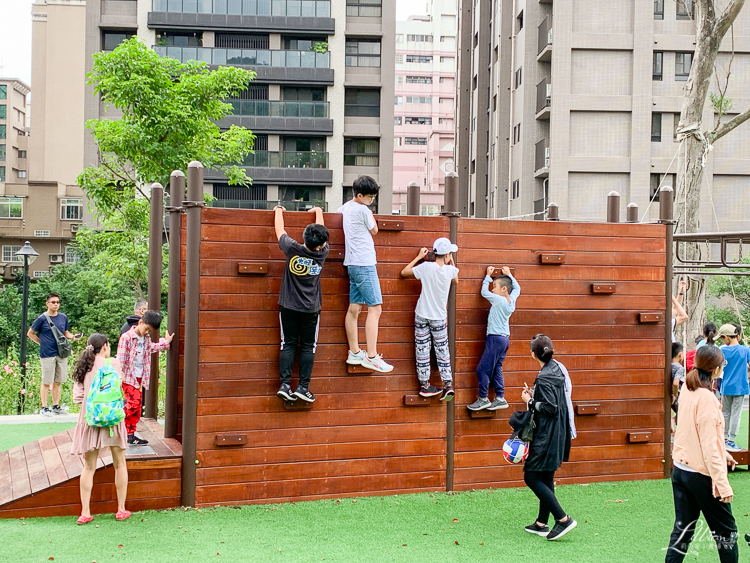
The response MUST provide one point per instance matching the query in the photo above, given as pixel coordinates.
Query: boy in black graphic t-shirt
(300, 300)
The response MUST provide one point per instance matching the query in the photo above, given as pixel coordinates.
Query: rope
(656, 193)
(523, 216)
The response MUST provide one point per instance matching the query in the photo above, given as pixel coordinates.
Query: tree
(737, 291)
(169, 114)
(712, 23)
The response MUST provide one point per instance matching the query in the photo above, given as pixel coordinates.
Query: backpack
(64, 347)
(105, 405)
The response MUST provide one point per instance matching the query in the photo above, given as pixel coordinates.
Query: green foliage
(729, 288)
(10, 317)
(721, 104)
(320, 47)
(12, 383)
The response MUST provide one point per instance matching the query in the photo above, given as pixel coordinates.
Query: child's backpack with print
(105, 406)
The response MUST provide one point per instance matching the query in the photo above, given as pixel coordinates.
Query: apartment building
(424, 125)
(321, 106)
(13, 133)
(567, 102)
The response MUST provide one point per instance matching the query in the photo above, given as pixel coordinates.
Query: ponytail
(698, 378)
(709, 331)
(707, 359)
(86, 359)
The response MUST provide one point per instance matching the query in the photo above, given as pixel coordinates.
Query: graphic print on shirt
(301, 266)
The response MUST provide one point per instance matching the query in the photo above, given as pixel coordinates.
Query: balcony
(541, 159)
(289, 118)
(261, 15)
(288, 168)
(544, 51)
(543, 98)
(119, 13)
(264, 204)
(273, 66)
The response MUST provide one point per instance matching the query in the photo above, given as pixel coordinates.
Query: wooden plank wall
(359, 438)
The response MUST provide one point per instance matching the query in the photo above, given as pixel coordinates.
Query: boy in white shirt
(431, 315)
(364, 286)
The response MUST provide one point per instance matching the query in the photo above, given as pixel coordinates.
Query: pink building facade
(424, 111)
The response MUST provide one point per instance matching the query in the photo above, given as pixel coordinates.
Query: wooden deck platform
(41, 478)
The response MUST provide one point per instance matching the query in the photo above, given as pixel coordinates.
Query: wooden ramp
(41, 478)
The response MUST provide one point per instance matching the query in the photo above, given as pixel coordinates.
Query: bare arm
(374, 230)
(31, 334)
(278, 221)
(408, 272)
(682, 316)
(318, 216)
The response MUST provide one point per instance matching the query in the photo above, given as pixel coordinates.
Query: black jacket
(130, 322)
(551, 443)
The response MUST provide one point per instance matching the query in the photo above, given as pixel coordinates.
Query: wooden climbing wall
(360, 437)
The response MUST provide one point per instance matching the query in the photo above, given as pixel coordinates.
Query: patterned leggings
(425, 331)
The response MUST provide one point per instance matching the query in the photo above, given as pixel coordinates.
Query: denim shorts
(364, 285)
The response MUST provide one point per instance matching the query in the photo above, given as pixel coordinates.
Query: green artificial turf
(12, 435)
(618, 522)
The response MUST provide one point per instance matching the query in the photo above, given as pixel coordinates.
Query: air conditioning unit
(75, 227)
(56, 258)
(16, 270)
(546, 157)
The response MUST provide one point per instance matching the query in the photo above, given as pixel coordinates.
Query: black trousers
(542, 483)
(298, 329)
(693, 494)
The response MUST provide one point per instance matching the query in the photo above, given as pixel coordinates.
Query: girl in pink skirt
(92, 442)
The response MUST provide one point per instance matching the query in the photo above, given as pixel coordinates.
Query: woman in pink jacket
(699, 476)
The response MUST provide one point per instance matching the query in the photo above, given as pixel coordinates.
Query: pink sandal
(84, 520)
(122, 515)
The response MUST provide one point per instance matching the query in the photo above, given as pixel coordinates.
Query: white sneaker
(356, 359)
(377, 363)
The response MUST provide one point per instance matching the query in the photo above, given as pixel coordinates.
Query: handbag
(523, 425)
(64, 347)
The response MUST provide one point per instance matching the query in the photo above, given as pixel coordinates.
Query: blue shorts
(364, 285)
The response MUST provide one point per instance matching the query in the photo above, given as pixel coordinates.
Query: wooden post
(450, 209)
(666, 211)
(412, 199)
(632, 216)
(553, 212)
(176, 196)
(191, 341)
(155, 234)
(613, 207)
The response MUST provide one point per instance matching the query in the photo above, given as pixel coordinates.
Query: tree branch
(727, 18)
(729, 126)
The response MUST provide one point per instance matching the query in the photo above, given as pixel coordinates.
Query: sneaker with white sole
(561, 528)
(427, 390)
(497, 404)
(46, 411)
(448, 392)
(377, 363)
(356, 359)
(480, 404)
(732, 447)
(537, 529)
(285, 393)
(305, 394)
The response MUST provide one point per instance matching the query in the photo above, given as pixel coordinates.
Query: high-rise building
(13, 133)
(425, 104)
(566, 102)
(321, 106)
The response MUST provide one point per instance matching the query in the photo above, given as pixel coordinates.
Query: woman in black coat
(551, 443)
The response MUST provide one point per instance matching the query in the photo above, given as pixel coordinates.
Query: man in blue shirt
(54, 368)
(502, 297)
(734, 384)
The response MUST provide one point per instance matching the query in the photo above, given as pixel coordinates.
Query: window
(415, 140)
(658, 180)
(418, 100)
(684, 9)
(41, 234)
(194, 40)
(474, 83)
(21, 154)
(361, 152)
(420, 79)
(111, 39)
(71, 255)
(658, 65)
(11, 207)
(363, 52)
(445, 121)
(399, 59)
(71, 209)
(290, 43)
(9, 253)
(400, 38)
(22, 173)
(515, 189)
(397, 120)
(445, 100)
(363, 8)
(682, 63)
(291, 93)
(418, 58)
(3, 92)
(518, 78)
(494, 102)
(476, 39)
(361, 102)
(446, 59)
(517, 134)
(420, 38)
(2, 173)
(399, 100)
(2, 131)
(519, 22)
(675, 126)
(40, 273)
(2, 153)
(399, 80)
(473, 167)
(655, 127)
(658, 9)
(3, 111)
(418, 120)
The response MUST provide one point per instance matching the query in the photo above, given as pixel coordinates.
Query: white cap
(443, 246)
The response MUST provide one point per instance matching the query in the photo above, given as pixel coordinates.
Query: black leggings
(298, 330)
(543, 485)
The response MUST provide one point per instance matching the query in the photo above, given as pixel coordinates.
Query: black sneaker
(305, 394)
(427, 390)
(134, 440)
(285, 392)
(561, 528)
(497, 404)
(537, 529)
(57, 409)
(480, 404)
(46, 411)
(448, 392)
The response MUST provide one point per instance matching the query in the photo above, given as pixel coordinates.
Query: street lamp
(29, 255)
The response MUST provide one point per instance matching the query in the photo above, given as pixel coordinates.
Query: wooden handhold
(603, 287)
(417, 401)
(646, 318)
(551, 259)
(481, 414)
(359, 370)
(298, 405)
(253, 268)
(741, 457)
(588, 410)
(384, 225)
(231, 440)
(639, 437)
